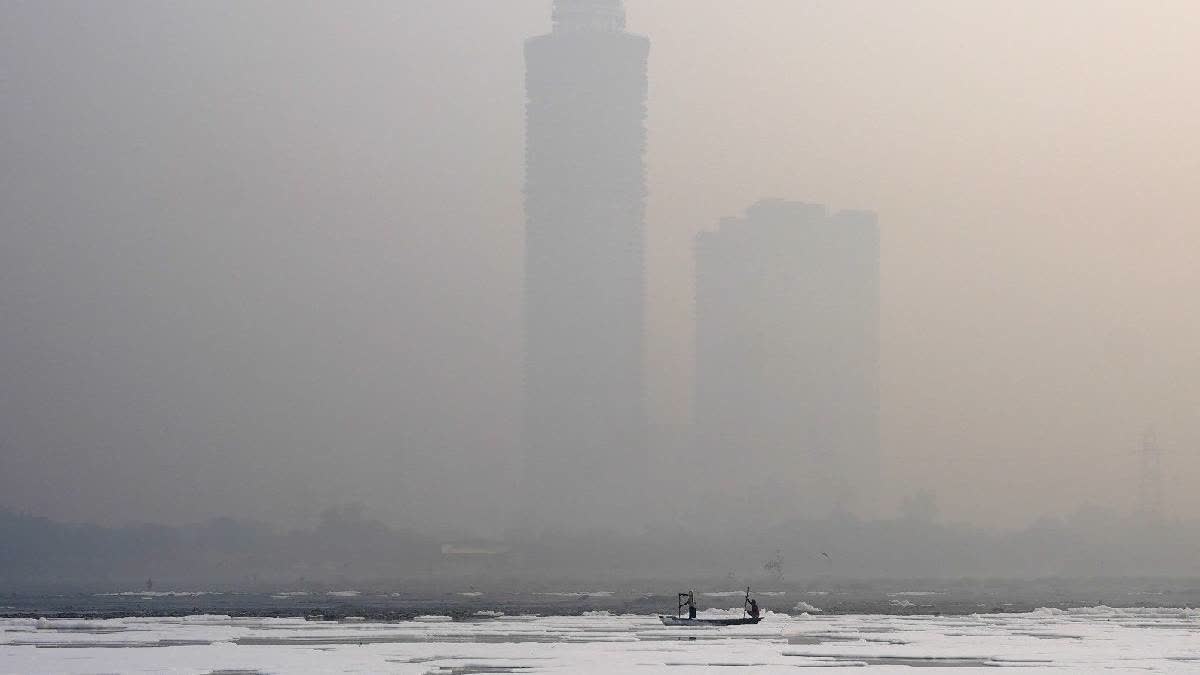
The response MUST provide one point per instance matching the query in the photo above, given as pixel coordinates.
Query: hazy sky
(263, 257)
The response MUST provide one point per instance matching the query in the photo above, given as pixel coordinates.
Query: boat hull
(680, 621)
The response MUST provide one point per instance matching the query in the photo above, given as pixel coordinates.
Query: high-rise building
(787, 362)
(585, 194)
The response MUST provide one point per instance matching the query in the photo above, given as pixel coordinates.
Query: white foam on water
(77, 624)
(432, 618)
(207, 618)
(1089, 639)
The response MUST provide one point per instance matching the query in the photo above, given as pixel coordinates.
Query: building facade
(584, 426)
(787, 363)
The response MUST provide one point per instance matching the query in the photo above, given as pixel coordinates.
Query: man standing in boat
(690, 597)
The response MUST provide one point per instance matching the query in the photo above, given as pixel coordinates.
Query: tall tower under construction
(584, 427)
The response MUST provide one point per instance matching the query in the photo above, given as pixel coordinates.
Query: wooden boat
(688, 600)
(684, 621)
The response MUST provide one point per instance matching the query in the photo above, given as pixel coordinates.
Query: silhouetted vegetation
(345, 545)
